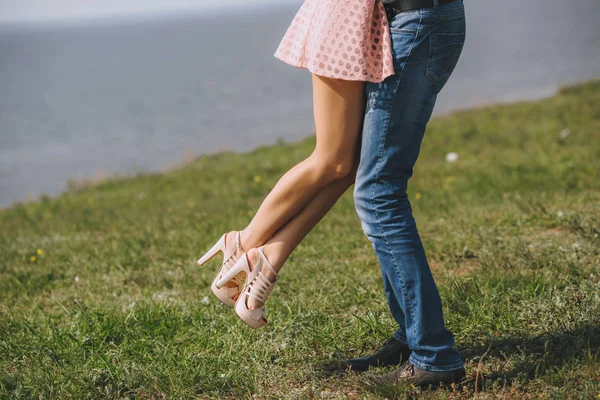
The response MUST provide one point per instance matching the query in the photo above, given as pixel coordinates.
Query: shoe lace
(407, 370)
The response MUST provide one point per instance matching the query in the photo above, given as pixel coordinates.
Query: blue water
(91, 100)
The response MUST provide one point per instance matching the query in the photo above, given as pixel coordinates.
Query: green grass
(115, 306)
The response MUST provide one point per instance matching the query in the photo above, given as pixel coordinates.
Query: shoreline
(101, 176)
(129, 98)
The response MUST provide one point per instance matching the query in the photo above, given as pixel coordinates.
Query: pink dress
(340, 39)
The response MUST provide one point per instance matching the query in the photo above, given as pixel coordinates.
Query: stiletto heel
(225, 294)
(259, 287)
(219, 246)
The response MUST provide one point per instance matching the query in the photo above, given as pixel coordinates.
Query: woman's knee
(329, 169)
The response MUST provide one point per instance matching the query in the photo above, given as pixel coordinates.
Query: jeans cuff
(434, 368)
(400, 336)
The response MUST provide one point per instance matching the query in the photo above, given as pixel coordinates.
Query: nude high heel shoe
(257, 286)
(226, 294)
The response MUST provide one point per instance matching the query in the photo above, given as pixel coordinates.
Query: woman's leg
(338, 107)
(284, 241)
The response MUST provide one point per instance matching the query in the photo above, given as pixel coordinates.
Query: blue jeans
(426, 45)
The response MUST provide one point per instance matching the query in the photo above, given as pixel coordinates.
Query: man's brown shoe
(392, 353)
(419, 377)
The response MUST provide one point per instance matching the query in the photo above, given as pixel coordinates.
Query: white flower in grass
(560, 214)
(205, 300)
(222, 375)
(76, 279)
(451, 157)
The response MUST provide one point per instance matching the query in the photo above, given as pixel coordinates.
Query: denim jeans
(426, 45)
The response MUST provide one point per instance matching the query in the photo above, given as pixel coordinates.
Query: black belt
(399, 6)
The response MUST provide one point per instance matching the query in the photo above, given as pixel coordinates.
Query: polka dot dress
(340, 39)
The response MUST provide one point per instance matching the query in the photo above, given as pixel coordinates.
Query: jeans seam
(378, 171)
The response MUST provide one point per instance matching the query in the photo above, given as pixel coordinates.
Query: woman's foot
(253, 302)
(230, 245)
(260, 279)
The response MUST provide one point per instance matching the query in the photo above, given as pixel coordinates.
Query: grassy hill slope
(100, 296)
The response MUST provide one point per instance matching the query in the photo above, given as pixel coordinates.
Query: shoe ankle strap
(238, 239)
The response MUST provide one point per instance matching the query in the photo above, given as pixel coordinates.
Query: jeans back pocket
(444, 52)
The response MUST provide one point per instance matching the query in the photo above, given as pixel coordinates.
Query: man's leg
(397, 113)
(395, 308)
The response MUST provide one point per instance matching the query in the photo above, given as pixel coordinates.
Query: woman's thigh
(338, 107)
